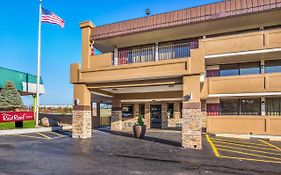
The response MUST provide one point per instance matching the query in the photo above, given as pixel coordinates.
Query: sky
(61, 47)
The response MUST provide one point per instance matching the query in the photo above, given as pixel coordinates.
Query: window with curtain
(240, 69)
(272, 66)
(250, 68)
(251, 106)
(273, 106)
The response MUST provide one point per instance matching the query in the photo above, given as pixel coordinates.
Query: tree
(10, 98)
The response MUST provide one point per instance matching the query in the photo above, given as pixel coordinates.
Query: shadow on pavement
(147, 138)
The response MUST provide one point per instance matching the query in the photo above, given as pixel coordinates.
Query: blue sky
(61, 47)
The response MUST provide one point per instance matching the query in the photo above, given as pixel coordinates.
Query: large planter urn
(139, 131)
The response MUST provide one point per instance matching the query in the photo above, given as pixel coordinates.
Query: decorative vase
(139, 131)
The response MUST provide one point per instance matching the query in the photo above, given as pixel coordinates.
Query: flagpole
(38, 65)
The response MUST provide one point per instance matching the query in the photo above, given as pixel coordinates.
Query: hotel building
(214, 66)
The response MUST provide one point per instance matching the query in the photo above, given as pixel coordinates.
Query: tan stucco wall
(244, 124)
(242, 42)
(244, 83)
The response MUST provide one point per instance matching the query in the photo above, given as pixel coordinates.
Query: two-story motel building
(216, 65)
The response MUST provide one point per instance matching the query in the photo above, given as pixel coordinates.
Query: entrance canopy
(25, 83)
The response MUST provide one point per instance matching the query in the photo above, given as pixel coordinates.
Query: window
(229, 107)
(229, 69)
(240, 69)
(213, 109)
(127, 111)
(250, 68)
(251, 106)
(170, 110)
(273, 106)
(272, 66)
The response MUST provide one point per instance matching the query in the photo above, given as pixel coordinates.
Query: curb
(33, 130)
(248, 136)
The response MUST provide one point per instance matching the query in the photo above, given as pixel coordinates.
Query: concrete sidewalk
(33, 130)
(249, 136)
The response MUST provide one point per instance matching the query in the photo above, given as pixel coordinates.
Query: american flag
(50, 17)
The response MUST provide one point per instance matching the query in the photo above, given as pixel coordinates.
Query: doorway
(155, 116)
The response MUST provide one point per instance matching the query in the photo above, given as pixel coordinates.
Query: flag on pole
(50, 17)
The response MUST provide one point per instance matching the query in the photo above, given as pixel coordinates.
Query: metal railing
(156, 53)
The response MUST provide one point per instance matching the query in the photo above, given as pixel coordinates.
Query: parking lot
(119, 153)
(246, 149)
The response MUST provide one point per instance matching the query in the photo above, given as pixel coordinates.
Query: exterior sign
(16, 116)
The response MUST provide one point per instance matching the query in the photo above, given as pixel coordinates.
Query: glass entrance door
(155, 112)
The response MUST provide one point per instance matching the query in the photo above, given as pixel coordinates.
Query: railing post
(156, 52)
(115, 57)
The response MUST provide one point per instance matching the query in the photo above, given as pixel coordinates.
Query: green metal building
(25, 83)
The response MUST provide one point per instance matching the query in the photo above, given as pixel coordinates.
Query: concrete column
(86, 28)
(96, 118)
(115, 55)
(263, 111)
(82, 114)
(262, 67)
(116, 115)
(191, 113)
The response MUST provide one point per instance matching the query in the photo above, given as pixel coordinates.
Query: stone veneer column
(136, 110)
(147, 115)
(191, 113)
(164, 116)
(82, 122)
(82, 114)
(116, 115)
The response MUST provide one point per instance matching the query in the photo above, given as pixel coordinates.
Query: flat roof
(213, 11)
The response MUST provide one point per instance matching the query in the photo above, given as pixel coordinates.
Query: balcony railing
(156, 53)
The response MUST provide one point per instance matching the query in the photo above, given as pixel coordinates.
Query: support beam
(82, 118)
(191, 113)
(86, 28)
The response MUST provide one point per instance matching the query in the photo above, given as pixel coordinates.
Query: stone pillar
(82, 114)
(136, 110)
(191, 113)
(116, 115)
(164, 119)
(147, 115)
(96, 117)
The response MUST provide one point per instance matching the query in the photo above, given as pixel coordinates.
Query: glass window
(272, 66)
(170, 110)
(127, 111)
(250, 68)
(250, 106)
(229, 69)
(273, 106)
(229, 107)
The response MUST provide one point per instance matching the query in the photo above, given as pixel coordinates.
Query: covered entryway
(156, 116)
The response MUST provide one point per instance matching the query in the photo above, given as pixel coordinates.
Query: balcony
(266, 39)
(154, 53)
(268, 82)
(142, 64)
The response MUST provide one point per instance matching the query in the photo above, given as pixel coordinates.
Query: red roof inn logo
(16, 116)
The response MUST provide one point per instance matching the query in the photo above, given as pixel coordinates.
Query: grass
(11, 125)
